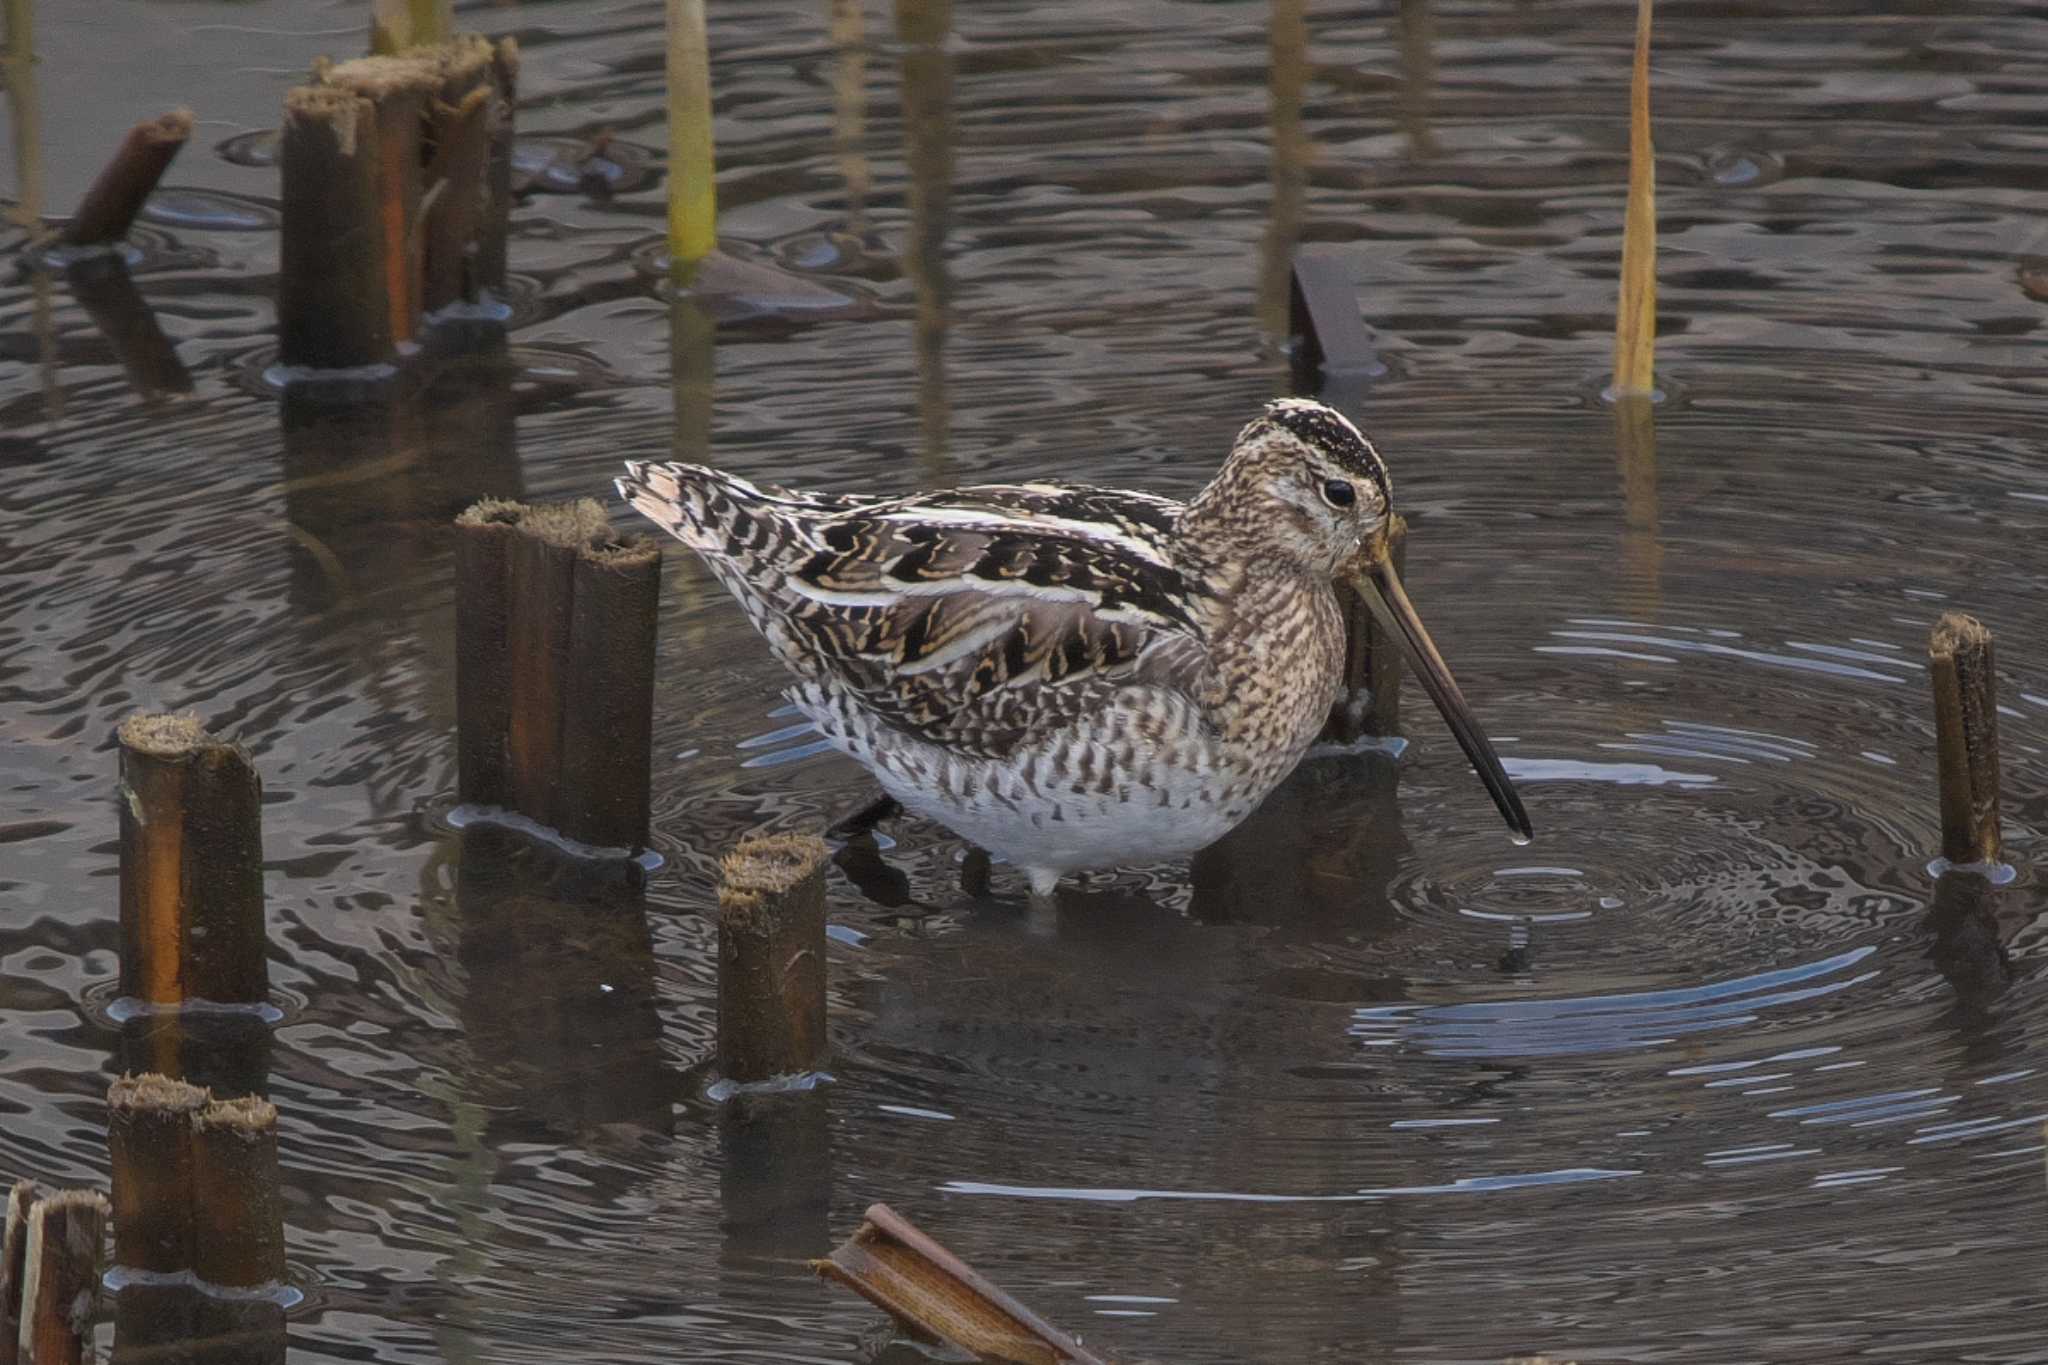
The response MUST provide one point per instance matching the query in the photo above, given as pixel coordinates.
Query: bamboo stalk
(937, 1296)
(396, 25)
(483, 683)
(149, 1139)
(237, 1211)
(692, 183)
(458, 171)
(493, 254)
(65, 1234)
(607, 740)
(333, 310)
(542, 584)
(1965, 687)
(14, 1266)
(110, 206)
(191, 866)
(400, 89)
(771, 957)
(1635, 320)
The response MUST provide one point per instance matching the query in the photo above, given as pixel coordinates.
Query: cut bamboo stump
(332, 306)
(555, 618)
(62, 1276)
(237, 1211)
(149, 1138)
(400, 91)
(771, 958)
(459, 143)
(14, 1266)
(1966, 735)
(1370, 703)
(110, 206)
(191, 866)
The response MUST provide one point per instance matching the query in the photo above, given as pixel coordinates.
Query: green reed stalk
(1635, 320)
(396, 25)
(692, 190)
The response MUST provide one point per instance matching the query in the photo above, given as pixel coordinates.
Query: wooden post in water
(110, 206)
(14, 1266)
(771, 957)
(400, 91)
(492, 262)
(1370, 703)
(237, 1211)
(458, 171)
(1635, 318)
(191, 866)
(333, 310)
(149, 1139)
(396, 25)
(555, 626)
(692, 183)
(1966, 735)
(62, 1276)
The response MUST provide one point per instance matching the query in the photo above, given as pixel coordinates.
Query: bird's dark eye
(1338, 493)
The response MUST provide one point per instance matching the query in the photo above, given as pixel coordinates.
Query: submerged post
(110, 206)
(149, 1139)
(555, 627)
(191, 866)
(61, 1281)
(771, 957)
(1966, 737)
(1370, 703)
(237, 1211)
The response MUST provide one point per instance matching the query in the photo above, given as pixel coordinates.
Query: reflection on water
(1713, 1070)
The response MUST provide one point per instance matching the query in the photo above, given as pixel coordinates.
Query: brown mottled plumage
(1071, 677)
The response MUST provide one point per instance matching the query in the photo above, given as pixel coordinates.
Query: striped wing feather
(970, 618)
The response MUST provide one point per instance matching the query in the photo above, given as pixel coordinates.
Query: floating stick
(1635, 319)
(1966, 737)
(396, 25)
(400, 89)
(149, 1138)
(65, 1232)
(237, 1212)
(14, 1265)
(332, 309)
(771, 957)
(692, 183)
(555, 623)
(457, 173)
(191, 866)
(110, 206)
(936, 1296)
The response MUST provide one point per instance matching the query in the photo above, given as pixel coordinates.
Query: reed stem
(397, 25)
(771, 957)
(1635, 319)
(692, 186)
(1965, 686)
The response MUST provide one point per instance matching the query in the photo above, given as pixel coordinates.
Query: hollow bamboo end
(567, 525)
(766, 867)
(623, 553)
(164, 734)
(385, 77)
(249, 1118)
(492, 512)
(151, 1093)
(1956, 633)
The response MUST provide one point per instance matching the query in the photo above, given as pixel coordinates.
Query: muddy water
(1706, 1073)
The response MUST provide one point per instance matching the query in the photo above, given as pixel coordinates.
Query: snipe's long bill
(1074, 677)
